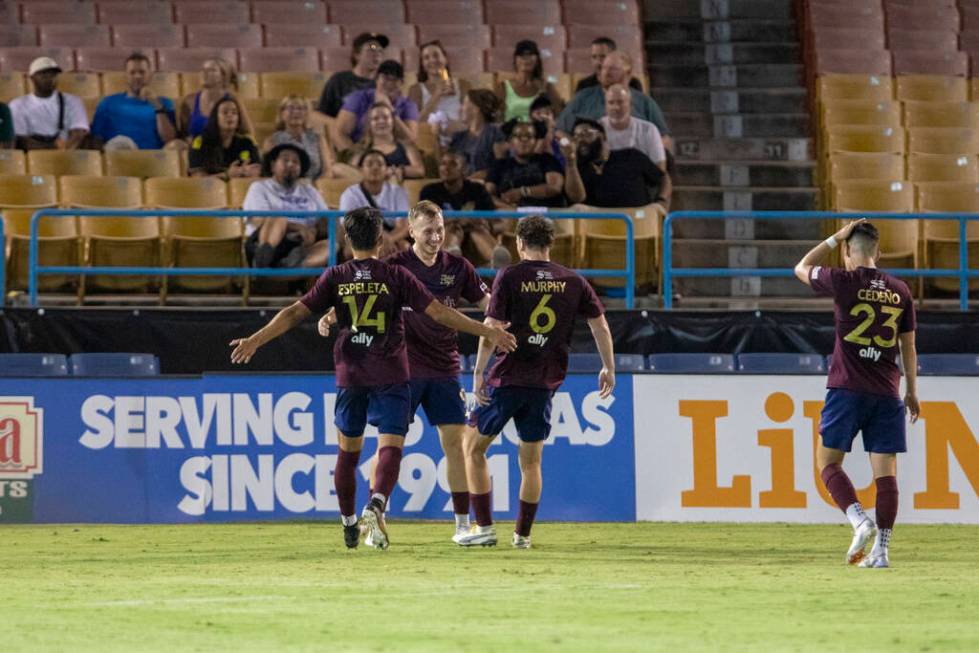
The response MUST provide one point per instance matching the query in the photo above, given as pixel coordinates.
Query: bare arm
(804, 267)
(909, 356)
(75, 137)
(288, 317)
(483, 353)
(342, 129)
(574, 187)
(406, 129)
(416, 166)
(603, 341)
(455, 320)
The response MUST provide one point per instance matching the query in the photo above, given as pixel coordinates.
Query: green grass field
(594, 587)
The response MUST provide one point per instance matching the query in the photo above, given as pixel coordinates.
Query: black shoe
(264, 255)
(351, 535)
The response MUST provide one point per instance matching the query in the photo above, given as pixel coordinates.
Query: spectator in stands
(285, 242)
(402, 157)
(219, 80)
(599, 176)
(47, 118)
(138, 113)
(453, 192)
(224, 149)
(377, 191)
(528, 82)
(293, 127)
(6, 127)
(525, 178)
(366, 56)
(541, 110)
(600, 48)
(590, 102)
(482, 141)
(437, 94)
(623, 130)
(352, 118)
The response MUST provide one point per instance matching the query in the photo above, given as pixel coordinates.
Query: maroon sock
(482, 506)
(525, 517)
(345, 481)
(460, 503)
(886, 501)
(839, 486)
(388, 468)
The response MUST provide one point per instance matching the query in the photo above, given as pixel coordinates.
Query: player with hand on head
(540, 300)
(875, 318)
(433, 350)
(371, 360)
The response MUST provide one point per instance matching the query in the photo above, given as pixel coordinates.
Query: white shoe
(861, 535)
(521, 542)
(876, 560)
(373, 527)
(478, 536)
(461, 531)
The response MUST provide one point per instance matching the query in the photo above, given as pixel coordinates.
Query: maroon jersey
(871, 309)
(433, 349)
(540, 300)
(368, 296)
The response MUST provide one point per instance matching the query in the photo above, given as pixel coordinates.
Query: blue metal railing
(962, 272)
(628, 272)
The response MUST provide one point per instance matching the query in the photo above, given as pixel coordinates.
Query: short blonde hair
(280, 123)
(424, 209)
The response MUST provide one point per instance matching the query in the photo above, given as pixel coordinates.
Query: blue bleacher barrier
(781, 363)
(628, 272)
(584, 363)
(33, 364)
(630, 363)
(962, 272)
(114, 364)
(691, 363)
(948, 364)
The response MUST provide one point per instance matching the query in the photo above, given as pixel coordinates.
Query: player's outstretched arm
(909, 357)
(603, 341)
(245, 348)
(482, 358)
(804, 267)
(455, 320)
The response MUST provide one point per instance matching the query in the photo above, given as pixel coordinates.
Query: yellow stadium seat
(854, 87)
(859, 112)
(91, 104)
(238, 189)
(11, 86)
(932, 88)
(942, 167)
(28, 191)
(263, 130)
(164, 84)
(864, 138)
(64, 162)
(186, 193)
(13, 162)
(943, 140)
(963, 115)
(898, 238)
(426, 140)
(276, 86)
(941, 237)
(414, 188)
(603, 242)
(331, 189)
(84, 85)
(262, 110)
(249, 85)
(884, 166)
(142, 163)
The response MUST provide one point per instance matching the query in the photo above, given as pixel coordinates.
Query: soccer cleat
(351, 535)
(461, 531)
(372, 525)
(521, 542)
(478, 536)
(861, 535)
(876, 560)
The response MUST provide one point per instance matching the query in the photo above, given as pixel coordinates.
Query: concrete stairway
(729, 76)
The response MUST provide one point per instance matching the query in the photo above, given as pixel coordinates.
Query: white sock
(462, 521)
(348, 520)
(882, 541)
(855, 514)
(378, 495)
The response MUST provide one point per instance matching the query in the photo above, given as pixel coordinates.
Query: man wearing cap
(285, 242)
(366, 56)
(352, 119)
(137, 114)
(47, 118)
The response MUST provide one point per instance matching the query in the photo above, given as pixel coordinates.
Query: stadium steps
(775, 75)
(721, 53)
(745, 100)
(743, 149)
(747, 173)
(749, 198)
(739, 125)
(703, 253)
(772, 31)
(734, 9)
(746, 229)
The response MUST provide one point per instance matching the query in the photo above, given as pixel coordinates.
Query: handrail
(962, 272)
(628, 272)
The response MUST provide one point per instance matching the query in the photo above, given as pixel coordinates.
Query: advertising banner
(254, 447)
(741, 448)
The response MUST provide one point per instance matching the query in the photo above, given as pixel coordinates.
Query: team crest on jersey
(448, 279)
(362, 275)
(878, 284)
(544, 274)
(21, 438)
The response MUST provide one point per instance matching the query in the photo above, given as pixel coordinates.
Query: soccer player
(371, 360)
(540, 300)
(874, 315)
(433, 350)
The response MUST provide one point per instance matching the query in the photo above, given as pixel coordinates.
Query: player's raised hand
(606, 383)
(244, 349)
(503, 339)
(912, 406)
(323, 326)
(847, 229)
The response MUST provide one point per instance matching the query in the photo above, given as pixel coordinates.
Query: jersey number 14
(362, 318)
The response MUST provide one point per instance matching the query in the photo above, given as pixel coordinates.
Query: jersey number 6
(542, 310)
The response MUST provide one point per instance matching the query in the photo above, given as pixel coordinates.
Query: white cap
(43, 63)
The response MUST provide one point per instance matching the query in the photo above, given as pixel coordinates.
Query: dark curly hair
(536, 231)
(486, 101)
(363, 227)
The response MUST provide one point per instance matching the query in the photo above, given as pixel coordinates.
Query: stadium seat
(932, 88)
(781, 363)
(13, 162)
(145, 36)
(19, 59)
(74, 36)
(381, 13)
(863, 16)
(859, 112)
(688, 363)
(262, 109)
(114, 364)
(630, 362)
(64, 162)
(128, 12)
(962, 115)
(627, 36)
(864, 138)
(551, 37)
(942, 167)
(539, 12)
(18, 36)
(31, 365)
(11, 86)
(444, 12)
(164, 84)
(95, 60)
(941, 237)
(923, 16)
(852, 62)
(604, 243)
(464, 61)
(866, 195)
(413, 187)
(187, 60)
(142, 163)
(881, 166)
(331, 189)
(272, 59)
(843, 39)
(211, 12)
(928, 62)
(220, 35)
(262, 130)
(238, 189)
(277, 85)
(500, 60)
(43, 13)
(948, 364)
(303, 35)
(601, 12)
(919, 39)
(401, 36)
(456, 35)
(84, 85)
(936, 140)
(186, 193)
(265, 12)
(336, 59)
(854, 87)
(592, 363)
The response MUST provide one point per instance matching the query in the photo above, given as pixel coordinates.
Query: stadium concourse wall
(223, 447)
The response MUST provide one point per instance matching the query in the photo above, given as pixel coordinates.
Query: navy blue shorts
(444, 400)
(385, 406)
(880, 419)
(530, 409)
